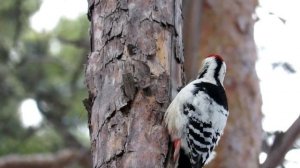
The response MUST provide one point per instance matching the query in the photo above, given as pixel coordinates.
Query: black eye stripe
(217, 70)
(203, 72)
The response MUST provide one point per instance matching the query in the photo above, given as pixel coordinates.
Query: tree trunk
(227, 29)
(134, 67)
(192, 11)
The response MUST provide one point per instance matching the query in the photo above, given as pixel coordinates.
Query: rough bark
(227, 29)
(134, 67)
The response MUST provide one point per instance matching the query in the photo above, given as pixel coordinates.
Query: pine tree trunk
(227, 29)
(192, 11)
(134, 67)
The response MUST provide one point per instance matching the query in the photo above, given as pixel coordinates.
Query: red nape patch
(215, 56)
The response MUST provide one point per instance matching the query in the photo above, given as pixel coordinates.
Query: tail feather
(184, 160)
(198, 165)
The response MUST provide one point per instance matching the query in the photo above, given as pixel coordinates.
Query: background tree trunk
(227, 29)
(136, 58)
(192, 11)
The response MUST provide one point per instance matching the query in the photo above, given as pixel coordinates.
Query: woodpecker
(197, 116)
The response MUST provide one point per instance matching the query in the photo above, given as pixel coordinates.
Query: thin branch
(60, 159)
(54, 112)
(77, 74)
(276, 156)
(77, 43)
(18, 20)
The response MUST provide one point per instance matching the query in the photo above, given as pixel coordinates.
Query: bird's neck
(211, 76)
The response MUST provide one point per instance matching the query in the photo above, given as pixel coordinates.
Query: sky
(276, 34)
(277, 41)
(50, 12)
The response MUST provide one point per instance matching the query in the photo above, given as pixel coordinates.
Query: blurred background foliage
(46, 68)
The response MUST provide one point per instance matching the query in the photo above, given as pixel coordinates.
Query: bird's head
(213, 68)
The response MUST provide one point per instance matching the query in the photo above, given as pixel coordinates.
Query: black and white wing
(201, 139)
